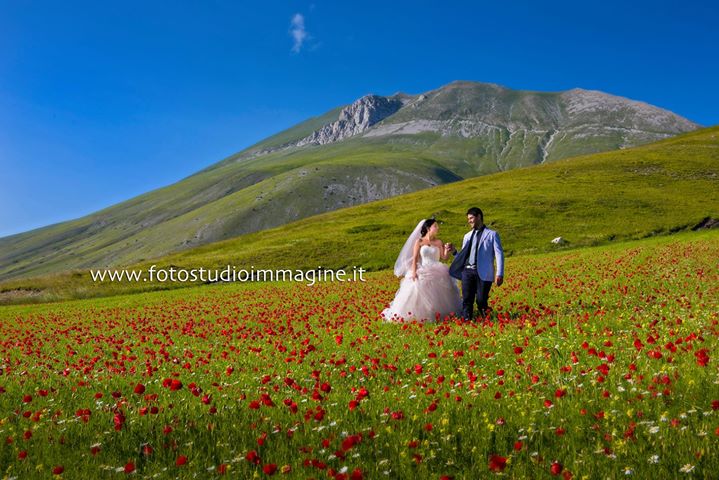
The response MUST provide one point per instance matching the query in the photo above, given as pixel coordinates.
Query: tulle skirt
(434, 294)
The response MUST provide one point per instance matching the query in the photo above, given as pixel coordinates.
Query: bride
(426, 292)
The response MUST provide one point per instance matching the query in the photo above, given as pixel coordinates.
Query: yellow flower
(619, 446)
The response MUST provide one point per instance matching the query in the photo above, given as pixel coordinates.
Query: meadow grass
(598, 362)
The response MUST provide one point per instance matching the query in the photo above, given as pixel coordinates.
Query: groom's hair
(476, 212)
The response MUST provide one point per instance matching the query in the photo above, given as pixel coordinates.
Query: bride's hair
(426, 225)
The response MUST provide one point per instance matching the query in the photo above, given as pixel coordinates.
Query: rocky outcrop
(354, 119)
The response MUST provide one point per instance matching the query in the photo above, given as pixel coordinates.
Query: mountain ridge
(374, 148)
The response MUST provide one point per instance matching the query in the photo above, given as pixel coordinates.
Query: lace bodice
(428, 254)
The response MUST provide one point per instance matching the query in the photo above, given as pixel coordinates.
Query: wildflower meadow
(595, 363)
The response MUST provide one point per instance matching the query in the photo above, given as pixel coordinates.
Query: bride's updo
(426, 226)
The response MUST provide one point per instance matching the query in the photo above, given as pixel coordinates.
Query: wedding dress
(432, 295)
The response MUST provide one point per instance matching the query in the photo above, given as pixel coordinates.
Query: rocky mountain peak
(355, 119)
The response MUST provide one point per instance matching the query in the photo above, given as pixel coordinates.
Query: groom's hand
(499, 280)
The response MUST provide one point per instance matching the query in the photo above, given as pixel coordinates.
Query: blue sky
(100, 102)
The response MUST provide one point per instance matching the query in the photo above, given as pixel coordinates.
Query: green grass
(646, 191)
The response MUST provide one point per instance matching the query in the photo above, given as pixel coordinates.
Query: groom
(474, 264)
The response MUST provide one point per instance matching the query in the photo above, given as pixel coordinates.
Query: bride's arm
(415, 257)
(443, 253)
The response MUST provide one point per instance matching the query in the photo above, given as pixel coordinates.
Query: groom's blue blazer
(489, 250)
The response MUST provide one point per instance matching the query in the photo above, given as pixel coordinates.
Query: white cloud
(298, 32)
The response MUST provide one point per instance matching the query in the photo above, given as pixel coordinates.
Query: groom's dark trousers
(473, 288)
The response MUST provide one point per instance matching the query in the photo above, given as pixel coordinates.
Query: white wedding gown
(434, 294)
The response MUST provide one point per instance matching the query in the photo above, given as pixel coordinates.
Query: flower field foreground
(598, 363)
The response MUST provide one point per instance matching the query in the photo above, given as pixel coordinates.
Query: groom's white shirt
(489, 249)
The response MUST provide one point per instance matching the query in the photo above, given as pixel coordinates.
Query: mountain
(375, 148)
(656, 189)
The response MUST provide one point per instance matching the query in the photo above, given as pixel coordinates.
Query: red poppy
(497, 463)
(702, 357)
(253, 457)
(351, 441)
(119, 420)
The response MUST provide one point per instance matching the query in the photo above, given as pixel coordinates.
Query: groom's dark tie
(471, 258)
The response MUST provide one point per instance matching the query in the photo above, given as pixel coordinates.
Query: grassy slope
(559, 260)
(629, 194)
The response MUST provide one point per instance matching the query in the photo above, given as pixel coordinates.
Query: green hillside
(657, 189)
(459, 131)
